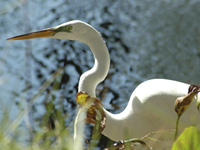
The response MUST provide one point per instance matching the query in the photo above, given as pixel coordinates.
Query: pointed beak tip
(38, 34)
(12, 39)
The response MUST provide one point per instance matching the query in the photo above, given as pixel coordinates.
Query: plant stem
(176, 130)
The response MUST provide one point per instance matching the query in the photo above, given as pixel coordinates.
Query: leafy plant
(188, 140)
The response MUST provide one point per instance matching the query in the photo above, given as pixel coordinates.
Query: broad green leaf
(188, 140)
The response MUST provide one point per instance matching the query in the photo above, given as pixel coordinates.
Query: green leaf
(188, 140)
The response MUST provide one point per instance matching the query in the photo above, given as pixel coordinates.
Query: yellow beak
(38, 34)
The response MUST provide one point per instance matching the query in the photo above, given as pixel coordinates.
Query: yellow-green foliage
(188, 140)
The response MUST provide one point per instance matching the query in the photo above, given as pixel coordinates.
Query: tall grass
(49, 131)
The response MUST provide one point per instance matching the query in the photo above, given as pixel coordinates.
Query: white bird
(151, 105)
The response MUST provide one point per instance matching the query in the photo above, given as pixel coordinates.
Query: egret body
(151, 105)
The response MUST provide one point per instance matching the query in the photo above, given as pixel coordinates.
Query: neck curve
(90, 79)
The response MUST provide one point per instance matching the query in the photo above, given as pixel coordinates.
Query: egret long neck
(90, 79)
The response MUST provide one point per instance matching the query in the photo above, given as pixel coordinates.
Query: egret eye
(64, 28)
(69, 28)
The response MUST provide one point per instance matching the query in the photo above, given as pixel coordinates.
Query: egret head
(72, 30)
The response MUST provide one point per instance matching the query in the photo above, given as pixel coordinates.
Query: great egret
(151, 105)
